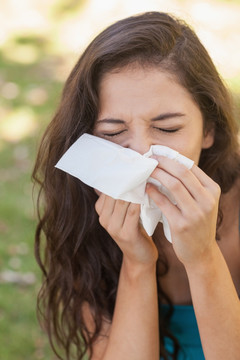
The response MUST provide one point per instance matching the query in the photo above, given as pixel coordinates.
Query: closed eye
(114, 134)
(167, 130)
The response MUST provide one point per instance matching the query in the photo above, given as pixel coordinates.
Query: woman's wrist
(133, 270)
(206, 263)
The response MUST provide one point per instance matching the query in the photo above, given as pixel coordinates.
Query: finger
(107, 210)
(180, 172)
(100, 203)
(179, 192)
(119, 214)
(171, 211)
(194, 179)
(206, 181)
(132, 216)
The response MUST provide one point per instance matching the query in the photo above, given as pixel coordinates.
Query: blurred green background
(40, 41)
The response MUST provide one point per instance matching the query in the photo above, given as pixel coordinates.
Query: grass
(20, 335)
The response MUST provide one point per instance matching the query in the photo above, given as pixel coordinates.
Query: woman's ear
(208, 138)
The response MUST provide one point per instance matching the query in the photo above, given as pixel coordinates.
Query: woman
(110, 290)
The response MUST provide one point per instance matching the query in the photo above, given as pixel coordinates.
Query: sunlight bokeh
(52, 34)
(34, 32)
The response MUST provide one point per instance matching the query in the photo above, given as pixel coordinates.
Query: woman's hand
(121, 220)
(193, 220)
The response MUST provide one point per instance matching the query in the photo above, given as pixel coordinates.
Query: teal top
(183, 325)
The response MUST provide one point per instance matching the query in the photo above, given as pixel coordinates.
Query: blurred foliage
(35, 93)
(64, 8)
(30, 86)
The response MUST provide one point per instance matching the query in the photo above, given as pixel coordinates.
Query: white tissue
(121, 173)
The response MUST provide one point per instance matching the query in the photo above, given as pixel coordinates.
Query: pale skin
(140, 107)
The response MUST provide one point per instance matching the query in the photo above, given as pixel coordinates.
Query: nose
(140, 144)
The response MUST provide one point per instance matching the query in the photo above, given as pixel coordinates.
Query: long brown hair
(79, 260)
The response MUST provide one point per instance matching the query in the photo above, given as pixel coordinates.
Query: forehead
(142, 88)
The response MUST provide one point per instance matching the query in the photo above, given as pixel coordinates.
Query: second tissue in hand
(121, 173)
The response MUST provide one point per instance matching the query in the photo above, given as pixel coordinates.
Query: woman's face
(143, 107)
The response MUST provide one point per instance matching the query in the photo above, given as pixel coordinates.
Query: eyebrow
(168, 115)
(163, 116)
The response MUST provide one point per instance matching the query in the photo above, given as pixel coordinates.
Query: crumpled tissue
(121, 173)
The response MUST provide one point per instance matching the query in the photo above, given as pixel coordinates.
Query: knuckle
(182, 226)
(132, 211)
(215, 188)
(210, 204)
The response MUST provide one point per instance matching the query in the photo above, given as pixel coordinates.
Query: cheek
(190, 147)
(195, 152)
